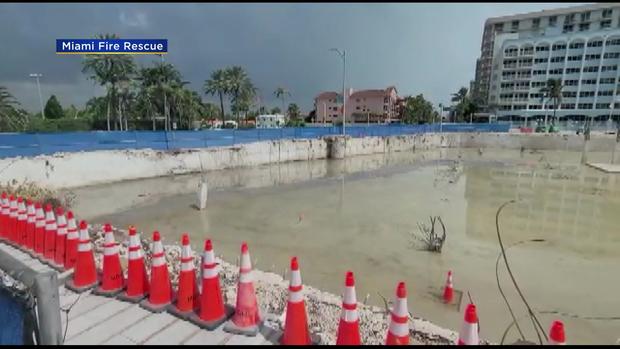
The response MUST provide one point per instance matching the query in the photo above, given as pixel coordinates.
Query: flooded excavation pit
(359, 214)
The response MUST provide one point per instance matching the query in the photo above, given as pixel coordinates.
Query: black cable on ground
(535, 321)
(66, 311)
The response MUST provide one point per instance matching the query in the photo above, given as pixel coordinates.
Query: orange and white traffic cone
(50, 235)
(61, 239)
(212, 311)
(85, 272)
(160, 289)
(72, 242)
(398, 331)
(137, 279)
(4, 217)
(247, 318)
(556, 334)
(39, 231)
(20, 228)
(187, 296)
(448, 291)
(31, 215)
(469, 330)
(348, 328)
(296, 321)
(112, 280)
(12, 221)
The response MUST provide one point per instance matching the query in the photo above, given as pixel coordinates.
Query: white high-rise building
(579, 45)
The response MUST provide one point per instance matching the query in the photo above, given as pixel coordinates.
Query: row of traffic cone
(51, 238)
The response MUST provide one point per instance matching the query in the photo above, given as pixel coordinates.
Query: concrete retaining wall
(68, 170)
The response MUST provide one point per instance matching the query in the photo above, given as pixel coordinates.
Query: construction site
(143, 246)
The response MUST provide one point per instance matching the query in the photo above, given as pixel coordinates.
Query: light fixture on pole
(37, 76)
(343, 55)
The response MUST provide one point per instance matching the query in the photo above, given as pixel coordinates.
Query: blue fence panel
(12, 317)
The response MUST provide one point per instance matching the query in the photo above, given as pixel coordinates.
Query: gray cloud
(420, 48)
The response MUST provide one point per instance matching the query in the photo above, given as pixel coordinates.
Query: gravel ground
(323, 308)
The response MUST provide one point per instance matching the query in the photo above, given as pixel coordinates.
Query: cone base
(212, 324)
(156, 308)
(79, 289)
(131, 299)
(107, 293)
(183, 315)
(249, 331)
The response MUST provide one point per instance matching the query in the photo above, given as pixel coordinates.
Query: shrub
(59, 125)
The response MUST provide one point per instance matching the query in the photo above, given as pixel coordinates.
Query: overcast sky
(419, 48)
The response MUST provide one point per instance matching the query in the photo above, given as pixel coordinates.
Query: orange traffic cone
(247, 318)
(72, 242)
(160, 289)
(61, 239)
(398, 332)
(296, 321)
(50, 235)
(348, 328)
(187, 291)
(85, 273)
(30, 227)
(469, 330)
(39, 231)
(12, 221)
(4, 217)
(556, 334)
(448, 291)
(112, 280)
(20, 228)
(212, 311)
(137, 279)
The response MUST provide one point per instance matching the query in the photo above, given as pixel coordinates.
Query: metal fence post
(48, 308)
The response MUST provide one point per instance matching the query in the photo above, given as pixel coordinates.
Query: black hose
(529, 309)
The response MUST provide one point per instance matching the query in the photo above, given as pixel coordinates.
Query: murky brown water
(363, 221)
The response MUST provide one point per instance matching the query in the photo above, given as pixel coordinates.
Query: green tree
(275, 110)
(53, 109)
(240, 88)
(553, 92)
(418, 110)
(108, 70)
(281, 93)
(293, 111)
(218, 84)
(11, 118)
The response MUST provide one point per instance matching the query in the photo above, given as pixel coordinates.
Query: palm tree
(239, 86)
(460, 99)
(281, 93)
(11, 118)
(108, 70)
(553, 92)
(218, 84)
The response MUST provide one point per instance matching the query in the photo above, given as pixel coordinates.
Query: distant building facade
(374, 106)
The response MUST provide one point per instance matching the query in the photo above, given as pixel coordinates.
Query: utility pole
(37, 76)
(343, 55)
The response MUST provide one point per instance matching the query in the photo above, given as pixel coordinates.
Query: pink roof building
(362, 106)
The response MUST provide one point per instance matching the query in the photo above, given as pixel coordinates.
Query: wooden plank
(119, 340)
(87, 303)
(143, 330)
(217, 336)
(174, 334)
(95, 317)
(244, 340)
(110, 328)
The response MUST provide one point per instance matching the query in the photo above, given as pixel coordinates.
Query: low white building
(270, 121)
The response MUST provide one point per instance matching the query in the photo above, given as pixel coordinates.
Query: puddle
(362, 221)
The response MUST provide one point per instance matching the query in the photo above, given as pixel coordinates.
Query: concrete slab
(243, 340)
(94, 318)
(86, 303)
(119, 340)
(608, 168)
(217, 336)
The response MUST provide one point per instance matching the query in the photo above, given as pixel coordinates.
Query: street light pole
(37, 76)
(343, 55)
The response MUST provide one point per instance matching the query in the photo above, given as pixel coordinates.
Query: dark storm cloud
(420, 48)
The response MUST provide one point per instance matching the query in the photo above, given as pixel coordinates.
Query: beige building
(375, 106)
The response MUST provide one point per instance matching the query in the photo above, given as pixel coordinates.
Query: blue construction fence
(32, 144)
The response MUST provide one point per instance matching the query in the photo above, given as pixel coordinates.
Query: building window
(567, 28)
(602, 105)
(591, 69)
(558, 47)
(585, 16)
(536, 23)
(553, 20)
(586, 94)
(571, 82)
(606, 24)
(515, 25)
(568, 106)
(357, 108)
(534, 106)
(597, 43)
(592, 57)
(584, 106)
(609, 68)
(557, 59)
(556, 71)
(576, 45)
(519, 107)
(569, 94)
(569, 18)
(588, 82)
(607, 80)
(499, 27)
(584, 27)
(574, 58)
(539, 72)
(612, 55)
(607, 13)
(606, 93)
(540, 60)
(613, 42)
